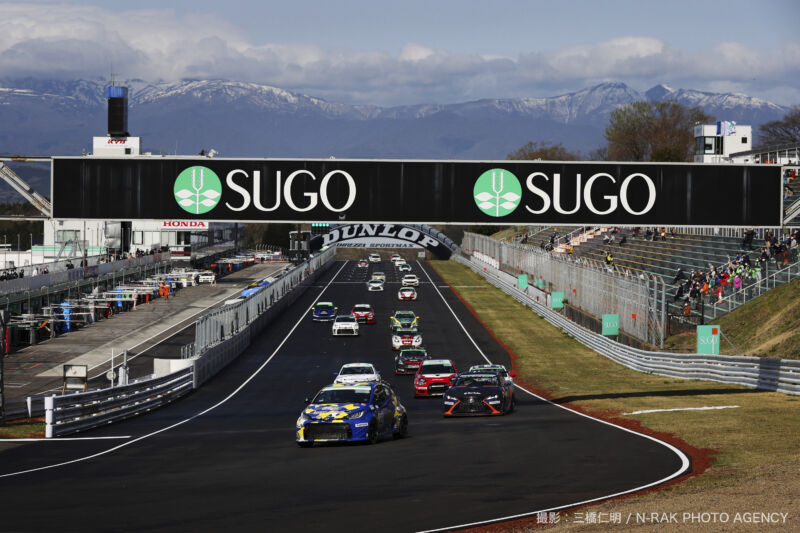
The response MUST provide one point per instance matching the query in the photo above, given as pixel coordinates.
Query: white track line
(684, 459)
(682, 409)
(197, 415)
(117, 437)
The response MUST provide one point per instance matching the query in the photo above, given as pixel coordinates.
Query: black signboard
(437, 192)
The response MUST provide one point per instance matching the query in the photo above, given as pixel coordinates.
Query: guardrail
(780, 375)
(77, 412)
(81, 411)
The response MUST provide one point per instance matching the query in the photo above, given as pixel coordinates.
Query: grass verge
(751, 450)
(26, 429)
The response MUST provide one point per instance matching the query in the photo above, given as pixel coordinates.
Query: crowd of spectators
(14, 273)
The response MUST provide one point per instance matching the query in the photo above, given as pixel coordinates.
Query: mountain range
(53, 117)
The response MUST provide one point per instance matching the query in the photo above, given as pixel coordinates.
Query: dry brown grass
(756, 464)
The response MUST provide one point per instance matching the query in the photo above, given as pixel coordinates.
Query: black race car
(475, 394)
(409, 359)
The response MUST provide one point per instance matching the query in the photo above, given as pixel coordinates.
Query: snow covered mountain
(48, 117)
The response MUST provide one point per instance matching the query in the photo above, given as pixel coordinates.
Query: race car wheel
(372, 434)
(403, 431)
(305, 444)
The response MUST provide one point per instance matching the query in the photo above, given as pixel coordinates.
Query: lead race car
(347, 413)
(477, 393)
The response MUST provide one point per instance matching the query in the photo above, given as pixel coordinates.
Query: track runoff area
(225, 457)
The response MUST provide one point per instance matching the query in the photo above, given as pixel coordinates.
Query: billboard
(432, 192)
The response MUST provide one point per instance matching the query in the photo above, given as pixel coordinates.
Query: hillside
(769, 326)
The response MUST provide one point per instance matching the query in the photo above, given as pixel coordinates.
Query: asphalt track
(224, 458)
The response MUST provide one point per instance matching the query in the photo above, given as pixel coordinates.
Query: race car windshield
(437, 369)
(405, 315)
(323, 307)
(343, 396)
(357, 370)
(415, 354)
(361, 308)
(475, 381)
(341, 319)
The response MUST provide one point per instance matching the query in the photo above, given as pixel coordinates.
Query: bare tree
(653, 131)
(544, 151)
(786, 131)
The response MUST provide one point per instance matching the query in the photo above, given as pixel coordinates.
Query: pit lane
(237, 466)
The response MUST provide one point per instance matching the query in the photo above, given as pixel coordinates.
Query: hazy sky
(408, 52)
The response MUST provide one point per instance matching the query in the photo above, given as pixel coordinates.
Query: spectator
(623, 239)
(679, 276)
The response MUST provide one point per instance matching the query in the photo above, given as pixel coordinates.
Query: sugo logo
(497, 192)
(197, 190)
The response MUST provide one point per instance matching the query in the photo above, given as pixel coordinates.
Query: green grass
(768, 326)
(577, 376)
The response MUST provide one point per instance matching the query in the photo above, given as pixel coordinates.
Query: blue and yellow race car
(352, 412)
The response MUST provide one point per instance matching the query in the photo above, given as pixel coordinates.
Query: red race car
(407, 293)
(434, 377)
(362, 263)
(363, 313)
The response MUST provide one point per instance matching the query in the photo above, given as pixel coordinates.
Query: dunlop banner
(434, 192)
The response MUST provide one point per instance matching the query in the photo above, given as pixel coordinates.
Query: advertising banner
(557, 300)
(431, 192)
(708, 340)
(522, 281)
(611, 324)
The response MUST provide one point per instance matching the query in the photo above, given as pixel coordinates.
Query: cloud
(42, 39)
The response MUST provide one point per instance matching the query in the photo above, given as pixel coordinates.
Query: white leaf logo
(183, 193)
(483, 197)
(511, 196)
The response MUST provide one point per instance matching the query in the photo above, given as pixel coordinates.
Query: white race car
(374, 258)
(374, 285)
(499, 370)
(380, 276)
(345, 325)
(357, 373)
(410, 280)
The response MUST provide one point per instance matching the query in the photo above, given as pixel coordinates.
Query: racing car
(479, 393)
(363, 313)
(410, 280)
(374, 285)
(323, 311)
(357, 373)
(374, 258)
(434, 377)
(379, 276)
(500, 370)
(405, 338)
(347, 413)
(406, 319)
(404, 267)
(362, 263)
(394, 257)
(409, 359)
(407, 293)
(345, 325)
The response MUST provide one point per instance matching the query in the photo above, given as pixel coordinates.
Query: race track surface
(224, 458)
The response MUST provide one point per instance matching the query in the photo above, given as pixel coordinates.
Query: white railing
(780, 375)
(755, 289)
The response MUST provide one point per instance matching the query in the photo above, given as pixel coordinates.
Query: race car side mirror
(335, 373)
(512, 374)
(307, 400)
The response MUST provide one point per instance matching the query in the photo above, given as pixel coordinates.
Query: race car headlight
(357, 414)
(417, 338)
(395, 339)
(450, 398)
(492, 397)
(420, 381)
(302, 418)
